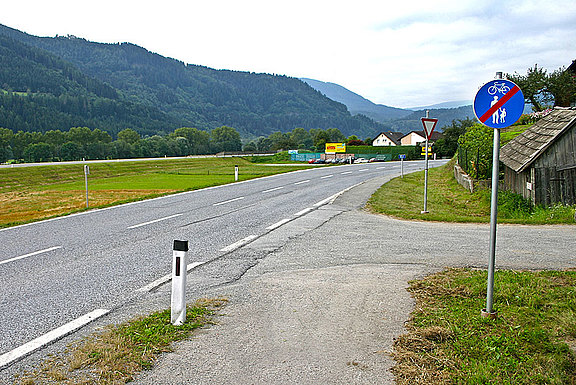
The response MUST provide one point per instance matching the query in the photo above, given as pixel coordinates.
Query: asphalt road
(55, 271)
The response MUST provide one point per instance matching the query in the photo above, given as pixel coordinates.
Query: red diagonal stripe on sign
(499, 104)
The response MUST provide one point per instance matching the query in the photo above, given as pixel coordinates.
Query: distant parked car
(311, 161)
(361, 160)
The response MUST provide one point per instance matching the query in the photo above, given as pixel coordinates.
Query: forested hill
(70, 81)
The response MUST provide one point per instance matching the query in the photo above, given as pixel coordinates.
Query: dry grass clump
(118, 353)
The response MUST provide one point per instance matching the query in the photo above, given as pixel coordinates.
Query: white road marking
(346, 172)
(239, 244)
(364, 169)
(161, 281)
(273, 189)
(37, 343)
(305, 211)
(323, 201)
(278, 224)
(380, 168)
(31, 254)
(304, 181)
(228, 201)
(326, 176)
(154, 221)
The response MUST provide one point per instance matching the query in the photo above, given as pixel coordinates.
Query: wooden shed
(540, 163)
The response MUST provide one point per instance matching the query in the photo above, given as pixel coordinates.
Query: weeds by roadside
(450, 202)
(529, 343)
(116, 354)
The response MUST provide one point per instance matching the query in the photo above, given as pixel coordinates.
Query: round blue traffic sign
(499, 103)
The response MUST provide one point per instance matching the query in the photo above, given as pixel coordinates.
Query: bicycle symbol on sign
(498, 87)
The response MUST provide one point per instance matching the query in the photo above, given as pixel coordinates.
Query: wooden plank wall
(553, 174)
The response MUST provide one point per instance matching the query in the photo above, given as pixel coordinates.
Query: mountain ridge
(181, 94)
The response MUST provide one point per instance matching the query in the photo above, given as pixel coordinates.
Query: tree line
(84, 143)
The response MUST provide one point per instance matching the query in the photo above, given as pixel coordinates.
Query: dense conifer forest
(55, 83)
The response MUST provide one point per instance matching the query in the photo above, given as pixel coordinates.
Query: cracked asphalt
(321, 299)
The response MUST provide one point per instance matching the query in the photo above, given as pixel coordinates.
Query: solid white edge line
(31, 254)
(304, 181)
(162, 280)
(37, 343)
(305, 211)
(239, 244)
(228, 201)
(278, 224)
(154, 221)
(273, 189)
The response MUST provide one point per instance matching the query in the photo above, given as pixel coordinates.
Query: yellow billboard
(335, 147)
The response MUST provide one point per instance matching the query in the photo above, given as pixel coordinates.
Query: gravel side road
(321, 298)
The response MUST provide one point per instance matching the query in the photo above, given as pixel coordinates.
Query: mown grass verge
(118, 353)
(34, 193)
(450, 202)
(531, 342)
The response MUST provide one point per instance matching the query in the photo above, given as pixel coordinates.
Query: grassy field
(450, 202)
(34, 193)
(532, 341)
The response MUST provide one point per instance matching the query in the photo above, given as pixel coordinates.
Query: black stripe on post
(178, 266)
(181, 245)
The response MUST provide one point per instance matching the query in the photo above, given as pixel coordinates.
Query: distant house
(540, 163)
(414, 138)
(388, 139)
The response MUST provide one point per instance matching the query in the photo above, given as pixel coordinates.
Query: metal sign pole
(402, 167)
(488, 312)
(498, 103)
(425, 211)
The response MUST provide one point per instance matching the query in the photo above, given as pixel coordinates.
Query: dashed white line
(346, 172)
(326, 176)
(305, 211)
(278, 224)
(273, 189)
(155, 221)
(228, 201)
(304, 181)
(37, 343)
(364, 169)
(31, 254)
(239, 244)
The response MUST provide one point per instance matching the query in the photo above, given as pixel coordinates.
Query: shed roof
(523, 150)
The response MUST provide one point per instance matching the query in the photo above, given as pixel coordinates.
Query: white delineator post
(86, 172)
(236, 173)
(179, 263)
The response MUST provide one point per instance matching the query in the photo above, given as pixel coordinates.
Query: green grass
(117, 354)
(35, 193)
(528, 343)
(450, 202)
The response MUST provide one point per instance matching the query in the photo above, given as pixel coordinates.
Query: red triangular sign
(429, 126)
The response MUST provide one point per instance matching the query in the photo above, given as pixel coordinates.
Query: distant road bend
(67, 271)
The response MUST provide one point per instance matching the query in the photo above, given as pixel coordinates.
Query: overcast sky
(404, 53)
